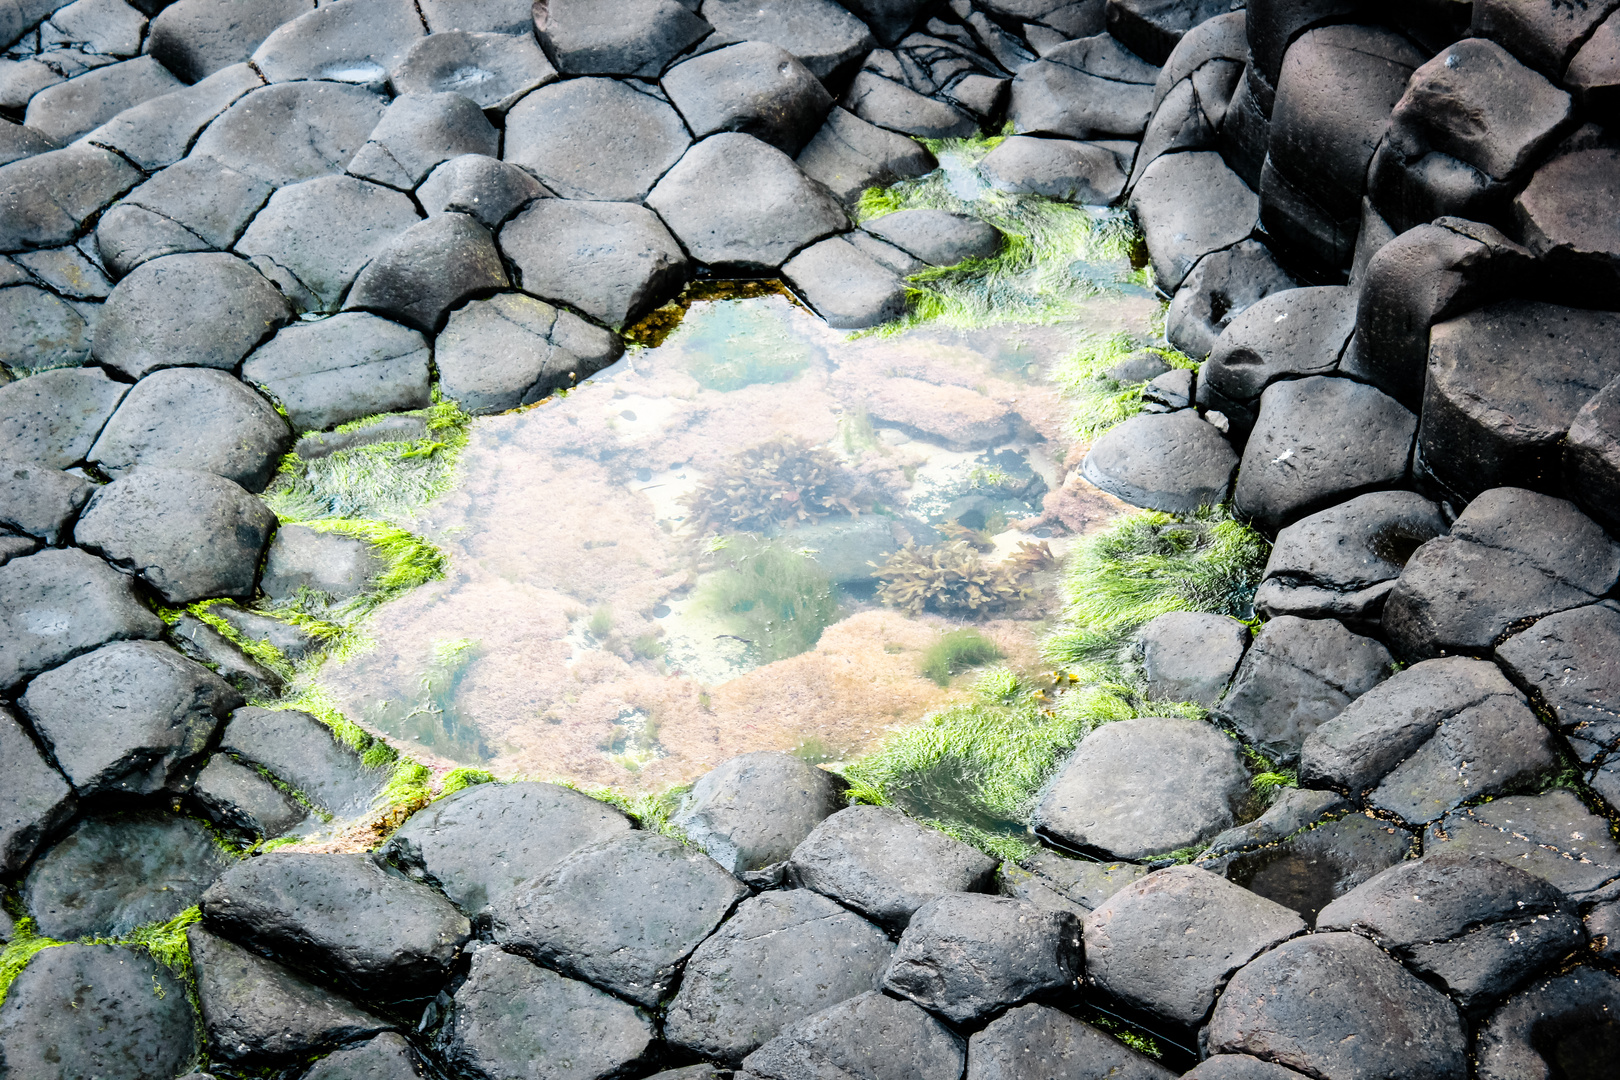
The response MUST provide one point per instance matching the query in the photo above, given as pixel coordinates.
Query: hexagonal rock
(378, 936)
(194, 418)
(512, 350)
(755, 88)
(291, 132)
(1342, 563)
(40, 330)
(197, 202)
(1291, 332)
(622, 913)
(350, 41)
(47, 197)
(735, 201)
(1190, 655)
(1543, 36)
(38, 501)
(1512, 555)
(1554, 218)
(195, 38)
(1173, 462)
(884, 865)
(880, 100)
(783, 956)
(55, 605)
(481, 844)
(1295, 809)
(207, 309)
(1336, 1005)
(848, 288)
(864, 1038)
(512, 17)
(385, 1057)
(1592, 457)
(1083, 89)
(69, 109)
(1220, 287)
(315, 237)
(1571, 663)
(130, 717)
(188, 534)
(1240, 1067)
(1217, 927)
(237, 797)
(490, 190)
(849, 155)
(937, 237)
(35, 801)
(821, 35)
(329, 563)
(966, 956)
(1472, 925)
(1033, 1041)
(1189, 205)
(1138, 788)
(1551, 835)
(494, 70)
(1299, 674)
(97, 1010)
(53, 418)
(428, 269)
(595, 139)
(1063, 169)
(1559, 1026)
(1056, 882)
(418, 132)
(752, 810)
(303, 753)
(160, 130)
(339, 369)
(639, 37)
(613, 261)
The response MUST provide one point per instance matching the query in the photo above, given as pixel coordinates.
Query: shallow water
(608, 618)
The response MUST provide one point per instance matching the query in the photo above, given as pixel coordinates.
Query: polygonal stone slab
(866, 1038)
(48, 197)
(1569, 662)
(238, 797)
(513, 350)
(489, 190)
(636, 37)
(1294, 810)
(1568, 1018)
(595, 139)
(1035, 1041)
(752, 810)
(890, 104)
(1220, 287)
(161, 130)
(822, 35)
(209, 199)
(937, 237)
(494, 70)
(294, 131)
(1290, 333)
(195, 38)
(849, 155)
(69, 109)
(1065, 169)
(1083, 89)
(428, 269)
(350, 41)
(35, 799)
(1061, 883)
(418, 131)
(755, 88)
(1191, 655)
(1551, 835)
(40, 330)
(1319, 863)
(387, 1057)
(301, 751)
(55, 605)
(329, 563)
(1592, 457)
(848, 288)
(1172, 462)
(53, 418)
(340, 369)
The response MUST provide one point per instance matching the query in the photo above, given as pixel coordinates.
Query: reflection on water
(674, 563)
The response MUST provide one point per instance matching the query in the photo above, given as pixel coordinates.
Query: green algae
(1098, 401)
(775, 599)
(956, 652)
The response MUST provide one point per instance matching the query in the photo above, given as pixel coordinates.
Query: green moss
(408, 560)
(25, 944)
(1098, 401)
(955, 652)
(774, 599)
(652, 811)
(408, 785)
(459, 779)
(601, 623)
(164, 942)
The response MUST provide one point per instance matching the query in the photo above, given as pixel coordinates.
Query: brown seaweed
(779, 483)
(952, 578)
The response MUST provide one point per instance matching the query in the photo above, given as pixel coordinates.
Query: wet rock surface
(1033, 1040)
(868, 1036)
(1551, 835)
(1191, 656)
(1170, 462)
(752, 811)
(303, 752)
(1313, 866)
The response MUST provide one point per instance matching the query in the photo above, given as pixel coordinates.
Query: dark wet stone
(380, 937)
(419, 131)
(1063, 169)
(494, 70)
(1059, 883)
(198, 419)
(340, 369)
(238, 797)
(112, 874)
(1592, 457)
(293, 642)
(751, 811)
(637, 37)
(160, 131)
(967, 956)
(1593, 76)
(1190, 655)
(1188, 206)
(613, 261)
(13, 546)
(1138, 788)
(1474, 926)
(884, 865)
(212, 649)
(1504, 385)
(40, 330)
(97, 1010)
(1543, 35)
(68, 271)
(892, 105)
(1311, 868)
(314, 445)
(1562, 1026)
(513, 350)
(755, 88)
(849, 155)
(209, 201)
(1089, 88)
(1335, 1005)
(490, 190)
(1569, 662)
(1172, 462)
(889, 19)
(292, 132)
(314, 238)
(1217, 927)
(1220, 287)
(847, 287)
(595, 138)
(1153, 28)
(206, 310)
(734, 201)
(55, 605)
(865, 1038)
(1290, 333)
(821, 35)
(195, 38)
(40, 501)
(1551, 835)
(481, 844)
(1512, 555)
(257, 1012)
(428, 269)
(622, 913)
(352, 41)
(1553, 217)
(329, 563)
(1295, 809)
(1033, 1041)
(782, 957)
(131, 717)
(302, 752)
(937, 237)
(1190, 115)
(35, 801)
(1342, 563)
(1240, 1067)
(45, 199)
(69, 109)
(387, 1057)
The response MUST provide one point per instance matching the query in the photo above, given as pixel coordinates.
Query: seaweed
(776, 484)
(776, 600)
(1099, 400)
(955, 652)
(951, 578)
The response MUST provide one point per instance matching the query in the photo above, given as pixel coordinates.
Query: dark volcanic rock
(1290, 333)
(1216, 926)
(291, 132)
(1033, 1041)
(493, 70)
(513, 350)
(849, 155)
(1064, 169)
(1139, 788)
(195, 419)
(849, 288)
(1294, 810)
(114, 873)
(481, 844)
(755, 88)
(428, 269)
(41, 330)
(820, 34)
(96, 1010)
(302, 752)
(1512, 555)
(595, 138)
(1569, 662)
(238, 797)
(1311, 868)
(45, 199)
(1190, 655)
(1188, 206)
(387, 1057)
(420, 131)
(889, 104)
(70, 109)
(937, 237)
(636, 37)
(966, 956)
(188, 534)
(35, 800)
(783, 956)
(195, 38)
(40, 501)
(55, 605)
(53, 418)
(1552, 836)
(351, 41)
(884, 865)
(293, 642)
(339, 369)
(1543, 35)
(160, 130)
(193, 205)
(515, 1018)
(1172, 462)
(341, 918)
(1220, 287)
(1592, 457)
(1153, 28)
(754, 809)
(489, 190)
(1561, 217)
(1055, 882)
(865, 1038)
(1335, 1005)
(258, 1012)
(323, 562)
(1562, 1026)
(622, 913)
(212, 649)
(1088, 88)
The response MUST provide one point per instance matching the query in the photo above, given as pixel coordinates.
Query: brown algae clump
(779, 483)
(952, 578)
